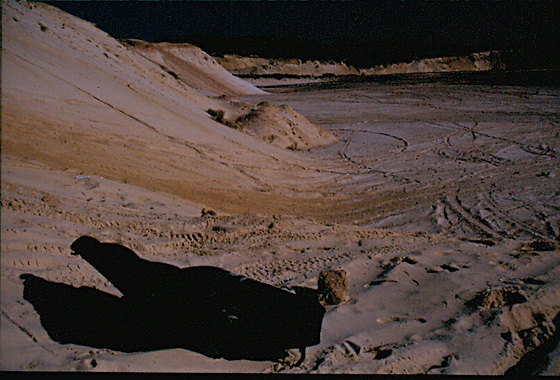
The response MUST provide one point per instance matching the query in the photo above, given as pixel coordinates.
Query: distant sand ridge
(264, 66)
(256, 66)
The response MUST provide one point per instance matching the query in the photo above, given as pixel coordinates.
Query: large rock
(333, 287)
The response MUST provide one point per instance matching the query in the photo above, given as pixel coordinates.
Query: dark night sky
(361, 32)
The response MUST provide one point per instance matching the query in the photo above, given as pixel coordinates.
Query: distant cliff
(264, 67)
(484, 61)
(256, 66)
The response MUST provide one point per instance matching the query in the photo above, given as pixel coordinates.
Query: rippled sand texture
(458, 159)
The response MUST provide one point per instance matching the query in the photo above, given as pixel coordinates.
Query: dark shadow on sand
(203, 309)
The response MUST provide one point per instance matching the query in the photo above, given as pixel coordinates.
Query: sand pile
(279, 125)
(193, 66)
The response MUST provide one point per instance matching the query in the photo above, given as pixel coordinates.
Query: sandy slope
(429, 200)
(93, 97)
(193, 66)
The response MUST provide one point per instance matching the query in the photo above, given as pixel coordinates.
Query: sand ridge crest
(193, 66)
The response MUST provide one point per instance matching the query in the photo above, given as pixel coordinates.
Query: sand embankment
(266, 72)
(193, 66)
(256, 66)
(483, 61)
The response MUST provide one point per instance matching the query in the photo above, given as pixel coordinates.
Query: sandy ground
(430, 200)
(473, 163)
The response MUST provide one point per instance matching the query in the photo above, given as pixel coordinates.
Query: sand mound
(193, 66)
(278, 125)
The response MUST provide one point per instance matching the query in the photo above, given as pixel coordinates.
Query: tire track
(369, 169)
(27, 332)
(456, 205)
(400, 139)
(514, 221)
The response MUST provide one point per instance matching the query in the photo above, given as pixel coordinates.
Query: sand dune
(475, 62)
(267, 72)
(440, 202)
(281, 126)
(256, 66)
(91, 97)
(193, 66)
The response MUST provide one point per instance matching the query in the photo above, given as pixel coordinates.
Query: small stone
(333, 287)
(206, 212)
